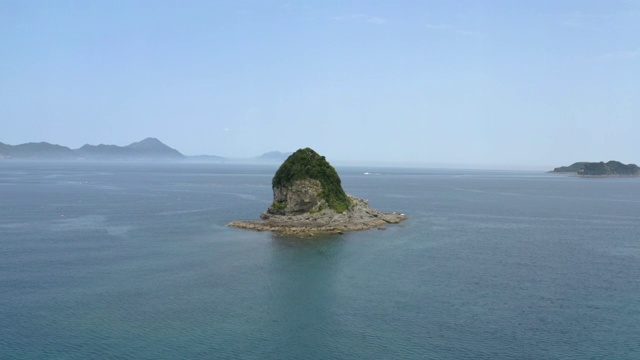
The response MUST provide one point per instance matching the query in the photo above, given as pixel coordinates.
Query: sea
(136, 261)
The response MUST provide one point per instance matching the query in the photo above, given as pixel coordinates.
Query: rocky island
(308, 198)
(600, 169)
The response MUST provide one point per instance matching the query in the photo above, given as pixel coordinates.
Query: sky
(439, 83)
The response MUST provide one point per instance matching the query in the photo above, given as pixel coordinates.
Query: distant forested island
(149, 149)
(600, 169)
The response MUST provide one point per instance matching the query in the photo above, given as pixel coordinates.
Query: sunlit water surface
(128, 260)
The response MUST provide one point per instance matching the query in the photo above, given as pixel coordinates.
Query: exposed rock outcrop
(359, 216)
(308, 198)
(301, 197)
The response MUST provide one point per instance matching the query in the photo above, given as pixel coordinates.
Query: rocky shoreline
(359, 216)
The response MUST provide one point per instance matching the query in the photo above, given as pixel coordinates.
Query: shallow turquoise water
(112, 260)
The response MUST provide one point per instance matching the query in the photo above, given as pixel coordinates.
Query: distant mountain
(207, 158)
(273, 157)
(611, 168)
(147, 149)
(103, 152)
(41, 150)
(155, 148)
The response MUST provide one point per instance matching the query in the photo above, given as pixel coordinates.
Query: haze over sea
(134, 260)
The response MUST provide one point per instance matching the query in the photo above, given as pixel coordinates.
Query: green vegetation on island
(610, 168)
(573, 168)
(307, 164)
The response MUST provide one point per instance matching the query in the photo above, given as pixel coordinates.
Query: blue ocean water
(129, 260)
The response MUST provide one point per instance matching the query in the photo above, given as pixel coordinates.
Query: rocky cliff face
(300, 197)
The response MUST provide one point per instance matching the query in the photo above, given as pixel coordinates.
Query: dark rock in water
(273, 157)
(308, 198)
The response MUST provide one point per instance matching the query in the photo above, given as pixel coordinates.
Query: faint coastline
(149, 149)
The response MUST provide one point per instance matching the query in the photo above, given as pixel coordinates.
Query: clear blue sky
(522, 83)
